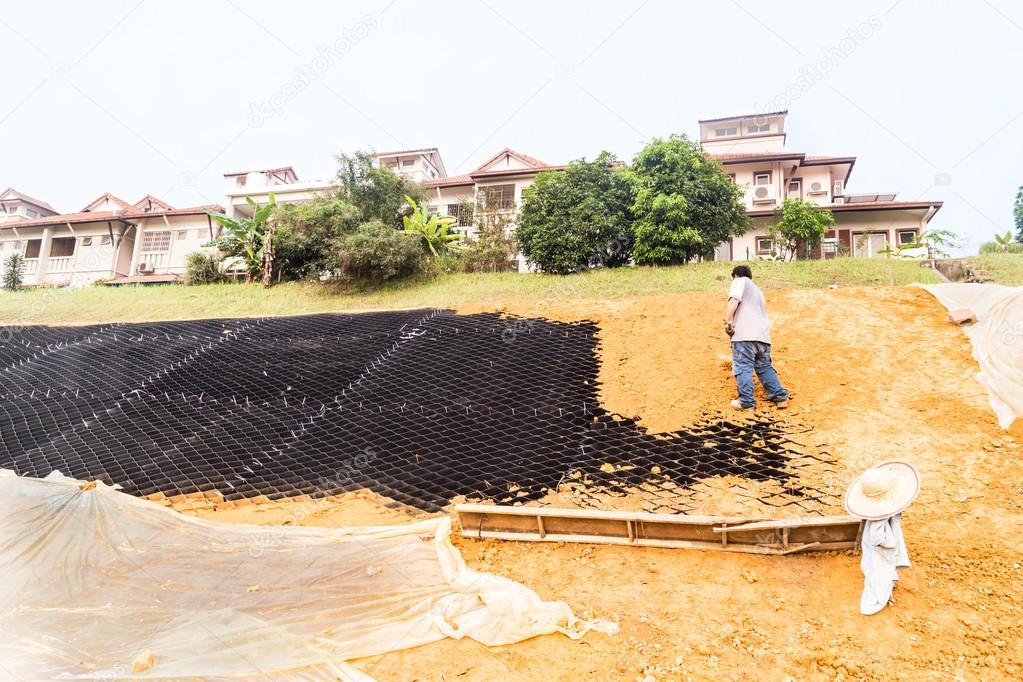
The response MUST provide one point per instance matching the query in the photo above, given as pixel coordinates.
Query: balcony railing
(60, 264)
(31, 266)
(152, 260)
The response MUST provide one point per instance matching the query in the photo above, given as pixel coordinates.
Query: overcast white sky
(133, 97)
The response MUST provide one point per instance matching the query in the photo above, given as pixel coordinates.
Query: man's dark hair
(742, 271)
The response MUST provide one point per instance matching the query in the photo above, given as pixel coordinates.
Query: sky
(135, 97)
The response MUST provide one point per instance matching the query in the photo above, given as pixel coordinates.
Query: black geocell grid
(419, 406)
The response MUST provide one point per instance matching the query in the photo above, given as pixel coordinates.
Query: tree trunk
(268, 254)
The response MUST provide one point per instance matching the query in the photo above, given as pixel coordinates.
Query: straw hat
(883, 491)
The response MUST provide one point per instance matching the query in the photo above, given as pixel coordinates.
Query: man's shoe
(781, 404)
(738, 406)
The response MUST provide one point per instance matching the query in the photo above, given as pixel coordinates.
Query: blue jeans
(750, 356)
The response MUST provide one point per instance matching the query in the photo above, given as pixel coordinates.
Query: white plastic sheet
(997, 339)
(93, 582)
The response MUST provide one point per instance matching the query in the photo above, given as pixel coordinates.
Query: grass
(1004, 268)
(175, 302)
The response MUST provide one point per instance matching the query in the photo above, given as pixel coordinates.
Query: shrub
(578, 218)
(203, 268)
(14, 271)
(995, 247)
(492, 248)
(798, 224)
(305, 233)
(375, 253)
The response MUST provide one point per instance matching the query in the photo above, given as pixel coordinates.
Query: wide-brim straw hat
(883, 491)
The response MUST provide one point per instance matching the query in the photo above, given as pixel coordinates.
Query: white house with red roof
(109, 238)
(16, 206)
(752, 150)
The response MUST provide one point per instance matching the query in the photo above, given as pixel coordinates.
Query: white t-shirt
(750, 318)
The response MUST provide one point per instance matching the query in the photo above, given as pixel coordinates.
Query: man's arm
(733, 305)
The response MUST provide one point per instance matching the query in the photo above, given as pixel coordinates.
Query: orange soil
(878, 373)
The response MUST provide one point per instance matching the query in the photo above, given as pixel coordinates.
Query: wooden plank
(547, 524)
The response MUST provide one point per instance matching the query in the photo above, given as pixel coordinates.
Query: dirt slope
(879, 373)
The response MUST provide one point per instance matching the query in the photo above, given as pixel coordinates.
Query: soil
(878, 374)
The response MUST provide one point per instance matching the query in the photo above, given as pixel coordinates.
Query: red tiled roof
(449, 182)
(32, 200)
(153, 201)
(103, 216)
(817, 160)
(526, 158)
(106, 196)
(732, 118)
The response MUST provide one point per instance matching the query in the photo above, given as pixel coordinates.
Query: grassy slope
(1004, 268)
(170, 302)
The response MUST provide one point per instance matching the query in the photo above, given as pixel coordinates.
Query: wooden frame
(680, 531)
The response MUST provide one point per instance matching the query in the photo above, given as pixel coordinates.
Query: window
(498, 196)
(104, 240)
(725, 132)
(30, 213)
(393, 165)
(62, 247)
(13, 210)
(156, 242)
(408, 163)
(795, 188)
(86, 241)
(182, 234)
(462, 213)
(907, 237)
(32, 247)
(765, 245)
(761, 128)
(731, 176)
(763, 178)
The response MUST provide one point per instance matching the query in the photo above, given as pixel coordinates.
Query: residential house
(146, 241)
(282, 182)
(16, 206)
(752, 150)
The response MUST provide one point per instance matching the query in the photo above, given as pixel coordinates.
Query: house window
(795, 188)
(731, 176)
(62, 247)
(408, 163)
(12, 210)
(393, 165)
(462, 213)
(498, 196)
(182, 234)
(32, 247)
(765, 245)
(103, 241)
(762, 178)
(86, 241)
(156, 242)
(907, 237)
(725, 132)
(30, 213)
(761, 128)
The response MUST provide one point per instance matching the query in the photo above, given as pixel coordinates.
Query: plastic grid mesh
(419, 406)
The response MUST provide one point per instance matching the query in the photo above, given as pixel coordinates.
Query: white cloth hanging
(884, 552)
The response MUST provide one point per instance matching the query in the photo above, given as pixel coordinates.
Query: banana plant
(245, 238)
(434, 230)
(1003, 240)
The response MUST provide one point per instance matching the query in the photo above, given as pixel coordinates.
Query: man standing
(746, 322)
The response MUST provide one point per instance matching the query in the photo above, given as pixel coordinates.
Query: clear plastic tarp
(997, 338)
(97, 584)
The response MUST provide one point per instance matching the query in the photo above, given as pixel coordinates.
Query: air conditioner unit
(839, 188)
(145, 269)
(816, 187)
(761, 193)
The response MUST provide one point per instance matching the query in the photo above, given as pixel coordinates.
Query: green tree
(14, 271)
(940, 242)
(686, 205)
(578, 218)
(376, 253)
(433, 230)
(1017, 215)
(799, 225)
(378, 192)
(491, 246)
(245, 238)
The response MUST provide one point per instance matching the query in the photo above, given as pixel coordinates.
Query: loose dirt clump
(876, 374)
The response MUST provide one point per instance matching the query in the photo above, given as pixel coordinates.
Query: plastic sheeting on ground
(997, 338)
(95, 582)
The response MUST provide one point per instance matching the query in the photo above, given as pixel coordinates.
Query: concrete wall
(171, 241)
